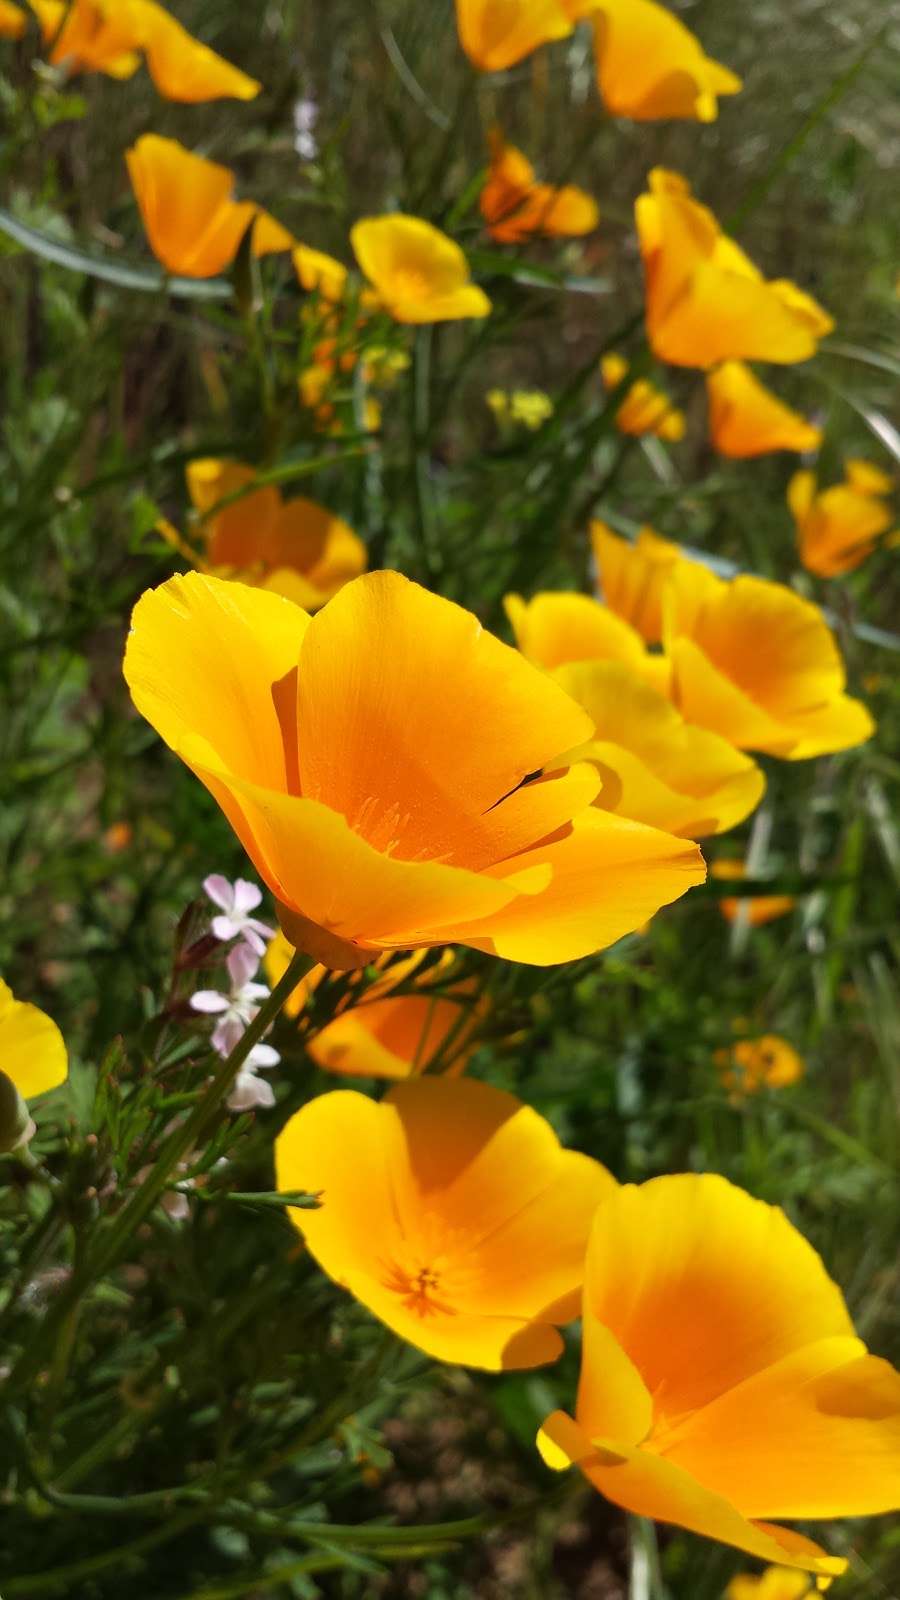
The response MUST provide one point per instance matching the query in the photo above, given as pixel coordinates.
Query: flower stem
(182, 1139)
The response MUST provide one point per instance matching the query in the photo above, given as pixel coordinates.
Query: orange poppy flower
(193, 223)
(787, 699)
(293, 547)
(837, 528)
(645, 409)
(386, 1034)
(655, 767)
(869, 479)
(722, 1385)
(516, 207)
(182, 67)
(746, 419)
(391, 769)
(755, 910)
(650, 66)
(418, 274)
(633, 576)
(450, 1210)
(554, 629)
(752, 1064)
(89, 36)
(109, 35)
(13, 21)
(705, 300)
(495, 34)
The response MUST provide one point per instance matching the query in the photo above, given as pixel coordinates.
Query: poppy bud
(16, 1126)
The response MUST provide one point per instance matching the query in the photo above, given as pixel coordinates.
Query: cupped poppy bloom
(706, 302)
(399, 1025)
(495, 34)
(450, 1210)
(650, 66)
(109, 36)
(633, 576)
(768, 1062)
(645, 409)
(555, 628)
(192, 221)
(295, 547)
(182, 67)
(656, 767)
(838, 527)
(33, 1059)
(775, 1583)
(13, 21)
(516, 207)
(89, 36)
(787, 698)
(754, 910)
(746, 419)
(722, 1385)
(392, 771)
(869, 479)
(418, 274)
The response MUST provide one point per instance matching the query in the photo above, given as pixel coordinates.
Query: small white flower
(306, 115)
(236, 901)
(234, 1011)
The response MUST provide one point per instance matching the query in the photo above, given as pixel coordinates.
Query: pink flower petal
(219, 891)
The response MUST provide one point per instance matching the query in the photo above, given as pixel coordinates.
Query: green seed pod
(16, 1126)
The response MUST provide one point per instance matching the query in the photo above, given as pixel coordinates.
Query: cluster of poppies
(405, 782)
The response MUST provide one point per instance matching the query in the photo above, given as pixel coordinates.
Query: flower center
(410, 283)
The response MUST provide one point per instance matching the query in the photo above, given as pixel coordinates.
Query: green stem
(181, 1140)
(644, 1576)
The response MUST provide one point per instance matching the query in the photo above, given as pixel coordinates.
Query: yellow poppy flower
(33, 1059)
(787, 699)
(418, 273)
(319, 273)
(293, 547)
(746, 419)
(865, 476)
(705, 300)
(89, 36)
(554, 629)
(650, 66)
(13, 21)
(775, 1583)
(656, 767)
(722, 1385)
(633, 576)
(516, 207)
(495, 34)
(387, 1035)
(391, 769)
(837, 528)
(192, 221)
(645, 409)
(109, 35)
(450, 1210)
(756, 910)
(752, 1064)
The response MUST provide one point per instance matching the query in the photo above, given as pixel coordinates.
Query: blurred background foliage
(205, 1359)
